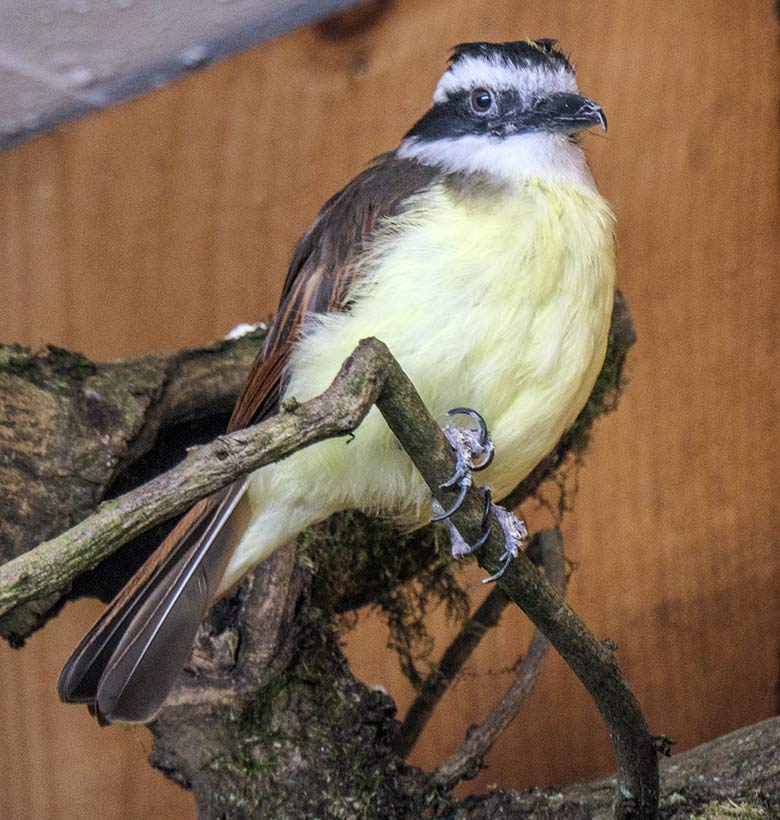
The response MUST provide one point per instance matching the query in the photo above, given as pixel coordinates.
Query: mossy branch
(370, 375)
(73, 430)
(735, 776)
(55, 563)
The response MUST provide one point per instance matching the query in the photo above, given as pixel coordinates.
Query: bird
(482, 254)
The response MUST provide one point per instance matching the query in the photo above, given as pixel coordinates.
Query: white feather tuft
(536, 155)
(242, 330)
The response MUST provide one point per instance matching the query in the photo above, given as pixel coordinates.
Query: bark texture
(70, 430)
(267, 720)
(735, 777)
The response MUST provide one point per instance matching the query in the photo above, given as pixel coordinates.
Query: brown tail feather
(81, 673)
(128, 662)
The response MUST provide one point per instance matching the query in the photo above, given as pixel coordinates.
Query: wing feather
(324, 269)
(128, 662)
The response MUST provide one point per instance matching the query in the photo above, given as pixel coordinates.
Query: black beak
(592, 113)
(565, 113)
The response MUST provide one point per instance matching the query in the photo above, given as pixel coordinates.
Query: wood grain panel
(169, 220)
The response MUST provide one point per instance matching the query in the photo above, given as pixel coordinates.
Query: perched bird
(482, 254)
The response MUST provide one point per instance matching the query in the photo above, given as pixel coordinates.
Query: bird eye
(480, 100)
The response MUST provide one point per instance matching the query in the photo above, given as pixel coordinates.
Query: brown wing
(323, 270)
(128, 662)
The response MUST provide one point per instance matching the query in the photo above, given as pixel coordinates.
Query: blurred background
(166, 221)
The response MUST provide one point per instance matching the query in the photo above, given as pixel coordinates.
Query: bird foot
(514, 530)
(474, 451)
(459, 546)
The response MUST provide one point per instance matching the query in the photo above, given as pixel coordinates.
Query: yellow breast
(493, 299)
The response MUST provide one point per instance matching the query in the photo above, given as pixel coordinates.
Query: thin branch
(462, 647)
(55, 563)
(369, 375)
(466, 761)
(457, 653)
(592, 662)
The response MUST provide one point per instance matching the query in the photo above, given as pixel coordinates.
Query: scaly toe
(459, 546)
(475, 446)
(515, 533)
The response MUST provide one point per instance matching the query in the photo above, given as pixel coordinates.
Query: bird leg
(515, 533)
(474, 451)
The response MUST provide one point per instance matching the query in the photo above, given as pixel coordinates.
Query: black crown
(519, 53)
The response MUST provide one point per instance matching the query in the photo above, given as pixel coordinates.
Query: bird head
(498, 101)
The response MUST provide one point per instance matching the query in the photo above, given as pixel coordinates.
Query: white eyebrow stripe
(471, 72)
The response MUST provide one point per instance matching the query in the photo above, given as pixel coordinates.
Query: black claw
(507, 558)
(457, 476)
(488, 460)
(479, 542)
(487, 500)
(467, 411)
(485, 533)
(484, 435)
(462, 475)
(464, 488)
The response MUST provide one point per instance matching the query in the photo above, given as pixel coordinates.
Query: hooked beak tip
(592, 113)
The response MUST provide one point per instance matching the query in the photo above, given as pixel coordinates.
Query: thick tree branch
(70, 428)
(734, 776)
(369, 375)
(338, 411)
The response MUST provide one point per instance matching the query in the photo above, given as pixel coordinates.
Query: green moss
(359, 560)
(740, 809)
(56, 371)
(15, 357)
(316, 743)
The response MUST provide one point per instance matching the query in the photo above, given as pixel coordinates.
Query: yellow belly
(500, 302)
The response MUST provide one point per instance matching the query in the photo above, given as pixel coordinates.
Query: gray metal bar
(60, 59)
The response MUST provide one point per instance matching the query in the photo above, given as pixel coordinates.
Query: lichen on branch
(252, 640)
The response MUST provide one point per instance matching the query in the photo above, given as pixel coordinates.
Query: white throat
(535, 155)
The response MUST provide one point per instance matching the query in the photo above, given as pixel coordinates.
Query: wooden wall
(169, 220)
